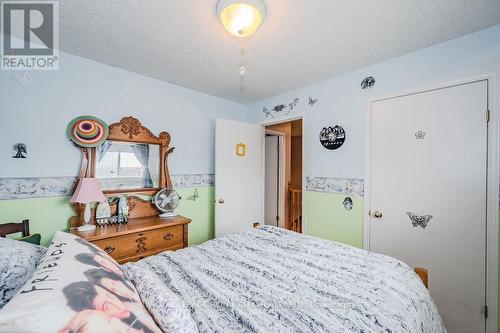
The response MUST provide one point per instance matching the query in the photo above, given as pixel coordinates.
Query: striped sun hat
(87, 131)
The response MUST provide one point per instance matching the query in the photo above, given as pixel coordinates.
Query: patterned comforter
(274, 280)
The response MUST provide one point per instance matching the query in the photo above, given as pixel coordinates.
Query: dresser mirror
(127, 165)
(131, 160)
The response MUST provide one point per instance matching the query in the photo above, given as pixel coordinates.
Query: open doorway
(283, 175)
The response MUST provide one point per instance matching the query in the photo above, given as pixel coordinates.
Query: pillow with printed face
(76, 288)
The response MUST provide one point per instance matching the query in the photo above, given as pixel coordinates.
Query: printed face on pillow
(112, 282)
(98, 261)
(92, 321)
(108, 265)
(83, 295)
(118, 288)
(109, 303)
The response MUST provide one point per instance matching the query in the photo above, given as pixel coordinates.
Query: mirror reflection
(127, 165)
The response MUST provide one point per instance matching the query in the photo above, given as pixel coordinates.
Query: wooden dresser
(146, 233)
(140, 237)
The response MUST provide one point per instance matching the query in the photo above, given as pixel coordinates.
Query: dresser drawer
(164, 238)
(146, 242)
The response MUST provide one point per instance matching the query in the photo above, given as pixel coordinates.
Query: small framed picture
(241, 149)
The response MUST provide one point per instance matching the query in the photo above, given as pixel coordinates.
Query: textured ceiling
(299, 43)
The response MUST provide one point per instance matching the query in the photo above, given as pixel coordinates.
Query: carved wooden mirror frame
(129, 129)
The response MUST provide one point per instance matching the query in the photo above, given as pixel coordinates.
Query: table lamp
(87, 191)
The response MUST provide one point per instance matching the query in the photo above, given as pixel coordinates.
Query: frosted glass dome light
(241, 18)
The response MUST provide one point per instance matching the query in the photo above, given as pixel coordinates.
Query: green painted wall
(200, 211)
(327, 218)
(47, 215)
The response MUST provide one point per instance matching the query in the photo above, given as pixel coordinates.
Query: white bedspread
(274, 280)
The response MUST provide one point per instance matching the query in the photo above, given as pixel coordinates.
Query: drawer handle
(141, 246)
(168, 236)
(109, 249)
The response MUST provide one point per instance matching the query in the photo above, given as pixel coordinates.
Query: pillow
(18, 261)
(32, 239)
(76, 288)
(170, 312)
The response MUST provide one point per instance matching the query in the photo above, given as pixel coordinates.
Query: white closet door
(428, 158)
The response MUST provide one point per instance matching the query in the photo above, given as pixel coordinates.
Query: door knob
(221, 201)
(377, 214)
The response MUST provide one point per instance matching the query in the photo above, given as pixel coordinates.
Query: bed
(264, 280)
(273, 280)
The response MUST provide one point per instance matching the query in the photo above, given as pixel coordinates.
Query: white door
(239, 176)
(428, 158)
(274, 180)
(272, 185)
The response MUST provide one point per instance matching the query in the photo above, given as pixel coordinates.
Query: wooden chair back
(12, 228)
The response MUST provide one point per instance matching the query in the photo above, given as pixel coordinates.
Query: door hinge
(277, 218)
(488, 114)
(485, 311)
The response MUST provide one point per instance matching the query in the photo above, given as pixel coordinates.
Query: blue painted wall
(341, 100)
(37, 114)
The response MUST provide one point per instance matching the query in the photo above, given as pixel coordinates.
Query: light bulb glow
(241, 19)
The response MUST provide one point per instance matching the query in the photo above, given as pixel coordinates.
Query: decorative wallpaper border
(348, 186)
(24, 188)
(197, 180)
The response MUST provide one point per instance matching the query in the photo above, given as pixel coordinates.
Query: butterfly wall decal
(194, 196)
(312, 101)
(417, 220)
(23, 79)
(267, 112)
(292, 105)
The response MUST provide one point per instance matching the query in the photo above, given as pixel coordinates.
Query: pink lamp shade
(87, 191)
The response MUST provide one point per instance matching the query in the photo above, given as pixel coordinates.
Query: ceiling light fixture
(241, 18)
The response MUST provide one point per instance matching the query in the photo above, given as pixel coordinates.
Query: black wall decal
(267, 112)
(312, 101)
(292, 105)
(367, 83)
(280, 108)
(420, 135)
(19, 150)
(347, 203)
(417, 220)
(332, 137)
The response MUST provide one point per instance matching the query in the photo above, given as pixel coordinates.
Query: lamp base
(86, 227)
